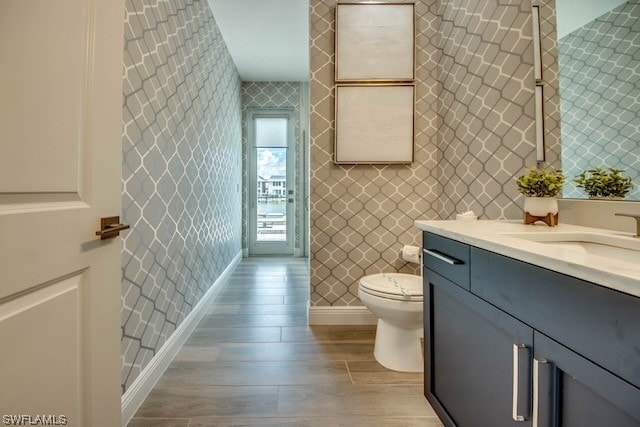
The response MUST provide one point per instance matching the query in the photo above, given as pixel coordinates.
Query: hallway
(253, 360)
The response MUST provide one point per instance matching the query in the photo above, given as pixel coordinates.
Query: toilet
(396, 300)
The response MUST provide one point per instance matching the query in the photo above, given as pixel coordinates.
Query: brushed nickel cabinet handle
(442, 257)
(520, 410)
(542, 386)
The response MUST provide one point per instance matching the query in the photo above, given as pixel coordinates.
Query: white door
(60, 156)
(271, 181)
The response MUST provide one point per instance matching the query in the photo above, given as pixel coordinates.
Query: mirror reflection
(599, 77)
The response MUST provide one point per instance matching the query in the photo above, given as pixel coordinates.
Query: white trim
(144, 383)
(265, 247)
(305, 104)
(358, 315)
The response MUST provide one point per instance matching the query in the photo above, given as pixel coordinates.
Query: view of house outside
(272, 194)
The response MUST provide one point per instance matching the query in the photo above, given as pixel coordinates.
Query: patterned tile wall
(361, 216)
(475, 116)
(486, 128)
(273, 95)
(600, 96)
(181, 172)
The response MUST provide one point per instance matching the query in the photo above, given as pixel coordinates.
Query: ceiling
(573, 14)
(268, 39)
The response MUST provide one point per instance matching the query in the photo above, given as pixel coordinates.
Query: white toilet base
(398, 349)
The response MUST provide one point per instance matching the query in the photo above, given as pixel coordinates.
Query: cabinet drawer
(448, 258)
(599, 323)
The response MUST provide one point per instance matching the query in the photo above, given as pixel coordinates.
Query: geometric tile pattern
(486, 112)
(362, 215)
(181, 169)
(274, 95)
(600, 96)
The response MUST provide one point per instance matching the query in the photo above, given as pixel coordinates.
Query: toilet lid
(393, 285)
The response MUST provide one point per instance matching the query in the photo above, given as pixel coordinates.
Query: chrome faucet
(637, 217)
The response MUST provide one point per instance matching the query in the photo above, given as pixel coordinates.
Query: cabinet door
(569, 390)
(477, 358)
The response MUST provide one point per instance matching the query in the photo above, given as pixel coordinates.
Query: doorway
(271, 163)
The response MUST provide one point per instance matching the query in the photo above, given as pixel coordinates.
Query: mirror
(599, 88)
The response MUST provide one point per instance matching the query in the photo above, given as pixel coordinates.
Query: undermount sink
(621, 248)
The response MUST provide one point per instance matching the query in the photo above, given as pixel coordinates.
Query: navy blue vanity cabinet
(476, 357)
(519, 342)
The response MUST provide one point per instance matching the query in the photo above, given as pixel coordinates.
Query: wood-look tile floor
(253, 360)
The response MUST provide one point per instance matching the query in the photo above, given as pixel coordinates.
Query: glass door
(271, 189)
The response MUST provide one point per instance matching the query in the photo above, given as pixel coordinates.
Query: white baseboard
(144, 383)
(341, 316)
(297, 253)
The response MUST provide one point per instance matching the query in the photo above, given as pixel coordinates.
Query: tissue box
(462, 217)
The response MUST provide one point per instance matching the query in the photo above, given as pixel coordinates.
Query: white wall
(599, 214)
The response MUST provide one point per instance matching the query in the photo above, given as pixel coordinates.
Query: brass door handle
(110, 227)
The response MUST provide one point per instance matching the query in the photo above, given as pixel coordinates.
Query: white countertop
(623, 276)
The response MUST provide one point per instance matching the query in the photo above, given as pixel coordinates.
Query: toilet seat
(395, 286)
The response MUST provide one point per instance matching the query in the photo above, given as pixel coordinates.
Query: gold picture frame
(375, 123)
(375, 42)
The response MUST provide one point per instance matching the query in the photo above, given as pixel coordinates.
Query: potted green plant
(540, 188)
(609, 183)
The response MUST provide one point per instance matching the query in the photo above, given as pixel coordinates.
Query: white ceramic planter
(541, 206)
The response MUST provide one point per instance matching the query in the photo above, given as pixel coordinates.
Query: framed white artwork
(375, 42)
(374, 123)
